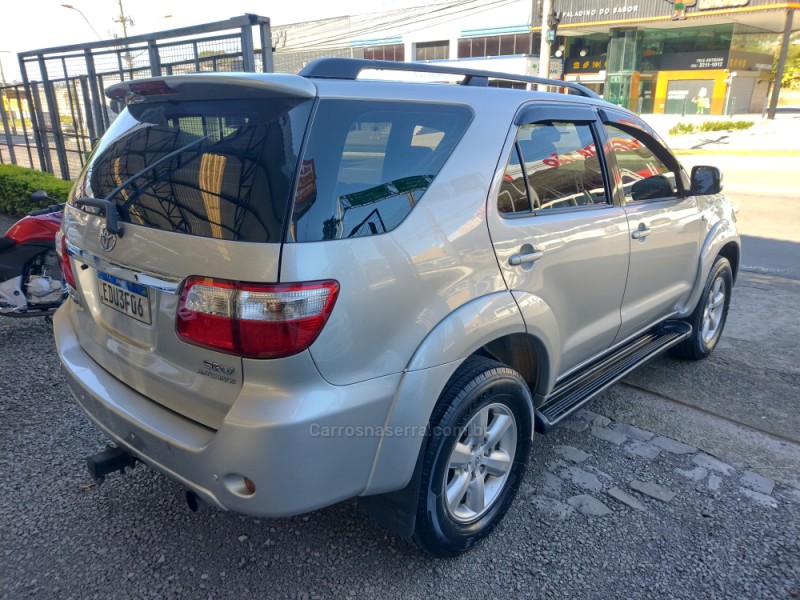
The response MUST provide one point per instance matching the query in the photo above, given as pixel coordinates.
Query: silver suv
(290, 290)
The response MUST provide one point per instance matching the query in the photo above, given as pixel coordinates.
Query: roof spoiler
(211, 86)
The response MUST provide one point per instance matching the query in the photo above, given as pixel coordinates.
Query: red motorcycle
(31, 283)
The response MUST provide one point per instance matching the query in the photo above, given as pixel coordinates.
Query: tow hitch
(109, 460)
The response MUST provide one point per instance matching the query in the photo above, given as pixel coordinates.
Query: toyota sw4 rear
(290, 290)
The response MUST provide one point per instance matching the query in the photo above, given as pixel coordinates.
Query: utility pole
(544, 48)
(550, 20)
(125, 20)
(776, 86)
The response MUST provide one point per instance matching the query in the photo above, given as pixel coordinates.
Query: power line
(331, 34)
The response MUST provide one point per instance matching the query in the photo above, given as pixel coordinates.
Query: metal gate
(53, 119)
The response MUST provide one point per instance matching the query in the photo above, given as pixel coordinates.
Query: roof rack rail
(349, 68)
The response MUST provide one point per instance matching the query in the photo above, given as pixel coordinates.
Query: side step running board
(571, 394)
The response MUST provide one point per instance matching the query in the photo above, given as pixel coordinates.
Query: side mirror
(39, 196)
(656, 186)
(706, 180)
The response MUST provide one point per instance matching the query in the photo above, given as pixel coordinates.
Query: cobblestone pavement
(606, 510)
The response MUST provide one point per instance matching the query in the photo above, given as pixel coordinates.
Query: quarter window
(553, 166)
(368, 164)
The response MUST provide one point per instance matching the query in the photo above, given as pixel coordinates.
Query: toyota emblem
(107, 239)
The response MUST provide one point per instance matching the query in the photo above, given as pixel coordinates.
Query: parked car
(291, 290)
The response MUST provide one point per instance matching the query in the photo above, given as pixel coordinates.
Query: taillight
(254, 320)
(63, 259)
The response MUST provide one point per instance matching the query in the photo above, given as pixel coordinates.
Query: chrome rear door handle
(525, 257)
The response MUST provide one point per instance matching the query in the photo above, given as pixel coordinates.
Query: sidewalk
(781, 135)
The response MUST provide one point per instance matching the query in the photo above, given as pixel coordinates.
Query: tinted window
(219, 169)
(560, 162)
(513, 196)
(644, 175)
(368, 164)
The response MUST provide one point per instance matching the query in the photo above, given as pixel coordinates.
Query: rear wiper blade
(109, 211)
(160, 161)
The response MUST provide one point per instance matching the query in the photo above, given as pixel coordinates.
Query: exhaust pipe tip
(194, 501)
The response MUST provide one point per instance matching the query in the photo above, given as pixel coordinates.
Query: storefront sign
(619, 10)
(585, 64)
(693, 97)
(720, 4)
(575, 12)
(556, 67)
(750, 61)
(687, 61)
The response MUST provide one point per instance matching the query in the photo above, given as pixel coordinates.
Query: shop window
(433, 50)
(495, 45)
(507, 45)
(393, 52)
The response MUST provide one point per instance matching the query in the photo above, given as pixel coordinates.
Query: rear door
(200, 171)
(665, 227)
(557, 233)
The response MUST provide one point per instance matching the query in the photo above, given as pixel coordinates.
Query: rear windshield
(221, 169)
(368, 163)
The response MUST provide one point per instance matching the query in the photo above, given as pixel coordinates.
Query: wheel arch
(526, 354)
(733, 253)
(491, 326)
(721, 240)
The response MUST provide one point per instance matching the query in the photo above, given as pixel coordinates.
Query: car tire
(477, 450)
(708, 318)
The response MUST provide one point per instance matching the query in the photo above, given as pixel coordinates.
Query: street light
(69, 6)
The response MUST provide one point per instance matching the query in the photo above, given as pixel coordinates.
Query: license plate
(129, 298)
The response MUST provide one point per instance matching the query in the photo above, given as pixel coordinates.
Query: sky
(34, 24)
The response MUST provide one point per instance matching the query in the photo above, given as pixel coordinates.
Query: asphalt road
(605, 511)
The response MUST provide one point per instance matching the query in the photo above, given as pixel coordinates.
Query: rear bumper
(304, 446)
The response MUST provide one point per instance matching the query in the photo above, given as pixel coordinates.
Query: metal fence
(52, 120)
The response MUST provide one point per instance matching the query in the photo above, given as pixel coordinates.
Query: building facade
(653, 56)
(650, 56)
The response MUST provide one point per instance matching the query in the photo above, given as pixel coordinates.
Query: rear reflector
(254, 320)
(63, 259)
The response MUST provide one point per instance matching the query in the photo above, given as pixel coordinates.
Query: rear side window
(221, 169)
(369, 163)
(552, 166)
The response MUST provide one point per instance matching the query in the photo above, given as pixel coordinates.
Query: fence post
(87, 108)
(37, 122)
(9, 139)
(25, 127)
(55, 120)
(95, 94)
(155, 59)
(248, 51)
(267, 64)
(196, 57)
